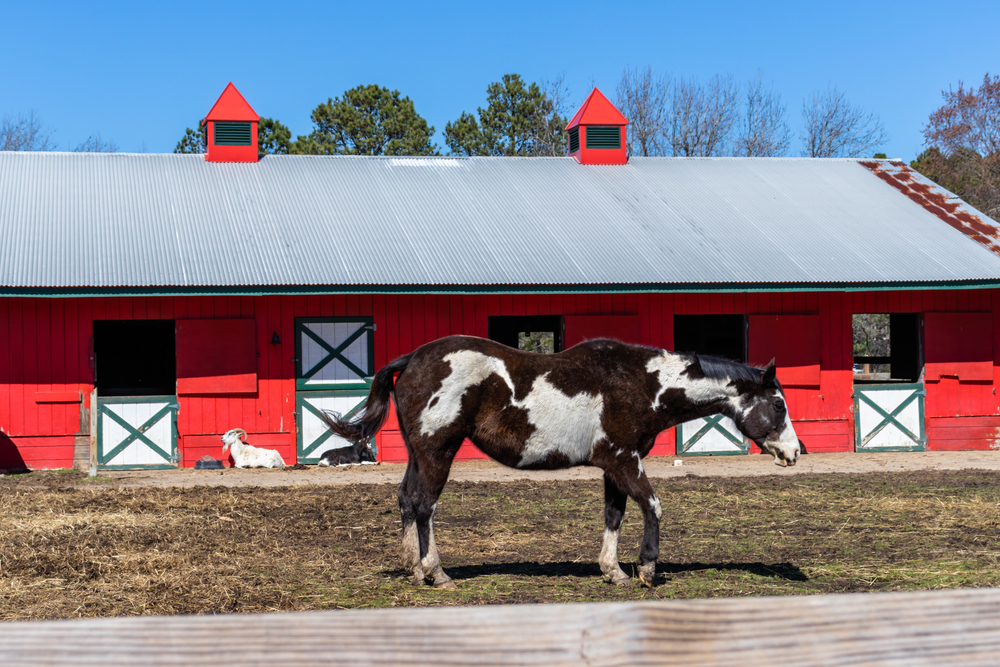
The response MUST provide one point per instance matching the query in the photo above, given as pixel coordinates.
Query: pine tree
(518, 119)
(367, 120)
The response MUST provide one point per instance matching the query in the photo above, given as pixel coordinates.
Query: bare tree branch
(642, 97)
(24, 133)
(701, 118)
(551, 119)
(836, 128)
(95, 144)
(763, 131)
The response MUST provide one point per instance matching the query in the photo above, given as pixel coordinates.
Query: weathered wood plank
(960, 627)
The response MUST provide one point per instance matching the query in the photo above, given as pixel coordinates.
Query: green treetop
(518, 119)
(367, 120)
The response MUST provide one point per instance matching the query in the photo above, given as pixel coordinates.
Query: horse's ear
(769, 372)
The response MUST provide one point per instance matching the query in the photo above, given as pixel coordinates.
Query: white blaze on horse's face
(782, 442)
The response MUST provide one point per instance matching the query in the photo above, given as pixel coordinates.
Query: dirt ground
(658, 467)
(191, 542)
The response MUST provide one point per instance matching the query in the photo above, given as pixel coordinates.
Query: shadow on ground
(586, 570)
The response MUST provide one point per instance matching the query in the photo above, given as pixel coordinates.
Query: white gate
(889, 417)
(314, 438)
(137, 432)
(713, 435)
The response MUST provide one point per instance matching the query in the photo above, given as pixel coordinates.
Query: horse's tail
(364, 426)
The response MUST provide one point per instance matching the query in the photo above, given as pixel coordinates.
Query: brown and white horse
(600, 403)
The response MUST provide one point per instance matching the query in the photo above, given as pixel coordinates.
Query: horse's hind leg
(431, 481)
(408, 515)
(425, 477)
(614, 513)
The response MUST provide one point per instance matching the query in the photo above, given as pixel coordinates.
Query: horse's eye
(779, 405)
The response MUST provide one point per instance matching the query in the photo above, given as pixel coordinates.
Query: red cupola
(232, 129)
(597, 132)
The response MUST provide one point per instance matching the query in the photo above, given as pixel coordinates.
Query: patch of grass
(69, 550)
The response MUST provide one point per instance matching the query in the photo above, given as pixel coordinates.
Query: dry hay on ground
(67, 550)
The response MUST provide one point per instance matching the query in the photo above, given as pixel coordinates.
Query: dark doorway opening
(135, 358)
(534, 333)
(715, 335)
(887, 347)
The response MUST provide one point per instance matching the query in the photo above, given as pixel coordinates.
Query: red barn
(149, 303)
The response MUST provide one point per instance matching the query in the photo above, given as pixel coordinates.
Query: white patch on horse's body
(468, 368)
(670, 367)
(569, 425)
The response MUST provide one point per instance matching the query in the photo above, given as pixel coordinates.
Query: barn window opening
(532, 333)
(886, 347)
(574, 139)
(135, 358)
(715, 335)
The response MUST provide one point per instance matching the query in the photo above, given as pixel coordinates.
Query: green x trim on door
(334, 351)
(307, 450)
(712, 423)
(166, 451)
(919, 441)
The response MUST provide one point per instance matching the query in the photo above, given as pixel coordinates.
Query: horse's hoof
(446, 585)
(619, 579)
(647, 575)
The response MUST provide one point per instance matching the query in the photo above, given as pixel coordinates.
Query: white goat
(248, 456)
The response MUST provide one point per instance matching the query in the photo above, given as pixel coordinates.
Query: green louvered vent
(604, 137)
(574, 140)
(232, 134)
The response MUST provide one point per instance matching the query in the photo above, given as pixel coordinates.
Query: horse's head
(763, 417)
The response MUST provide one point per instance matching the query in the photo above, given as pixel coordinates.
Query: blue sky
(139, 73)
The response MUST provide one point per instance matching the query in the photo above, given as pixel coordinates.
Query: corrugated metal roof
(70, 220)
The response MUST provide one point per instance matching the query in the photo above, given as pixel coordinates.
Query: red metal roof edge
(937, 200)
(602, 109)
(253, 116)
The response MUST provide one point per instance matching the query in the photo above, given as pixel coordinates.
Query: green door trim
(919, 440)
(137, 433)
(712, 422)
(302, 375)
(305, 453)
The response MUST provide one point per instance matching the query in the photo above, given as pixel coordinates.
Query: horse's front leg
(630, 477)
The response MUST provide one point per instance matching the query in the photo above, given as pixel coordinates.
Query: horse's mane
(724, 369)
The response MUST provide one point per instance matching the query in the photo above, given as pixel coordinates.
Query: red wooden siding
(792, 341)
(48, 359)
(216, 357)
(583, 327)
(959, 345)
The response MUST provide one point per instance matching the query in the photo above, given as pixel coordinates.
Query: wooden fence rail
(959, 627)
